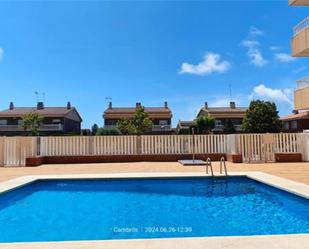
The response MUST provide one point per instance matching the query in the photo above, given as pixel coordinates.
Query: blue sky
(184, 52)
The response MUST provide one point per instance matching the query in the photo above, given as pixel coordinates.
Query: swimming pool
(62, 210)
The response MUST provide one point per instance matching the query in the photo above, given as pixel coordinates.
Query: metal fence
(252, 147)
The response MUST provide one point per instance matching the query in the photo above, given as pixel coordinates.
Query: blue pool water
(58, 210)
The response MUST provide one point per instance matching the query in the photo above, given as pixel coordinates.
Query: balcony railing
(301, 26)
(303, 83)
(161, 127)
(221, 127)
(44, 127)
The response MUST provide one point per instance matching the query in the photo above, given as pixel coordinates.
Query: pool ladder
(222, 166)
(208, 164)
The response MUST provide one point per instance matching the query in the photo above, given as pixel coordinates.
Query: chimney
(138, 104)
(110, 105)
(69, 105)
(11, 107)
(206, 105)
(165, 104)
(295, 111)
(40, 106)
(232, 105)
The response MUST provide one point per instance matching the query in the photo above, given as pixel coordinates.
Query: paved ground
(293, 171)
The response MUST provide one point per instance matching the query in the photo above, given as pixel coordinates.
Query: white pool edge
(290, 241)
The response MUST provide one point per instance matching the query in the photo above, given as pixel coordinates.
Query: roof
(225, 109)
(301, 115)
(46, 112)
(223, 112)
(119, 112)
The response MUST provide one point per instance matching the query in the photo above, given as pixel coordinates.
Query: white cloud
(264, 92)
(254, 53)
(254, 31)
(283, 57)
(1, 54)
(212, 63)
(274, 48)
(250, 43)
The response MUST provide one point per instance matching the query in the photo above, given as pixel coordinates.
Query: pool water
(62, 210)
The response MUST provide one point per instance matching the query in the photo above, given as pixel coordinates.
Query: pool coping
(289, 241)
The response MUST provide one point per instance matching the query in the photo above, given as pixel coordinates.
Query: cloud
(212, 63)
(1, 54)
(273, 94)
(250, 43)
(254, 31)
(254, 53)
(283, 57)
(274, 48)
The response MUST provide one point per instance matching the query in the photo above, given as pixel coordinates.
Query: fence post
(139, 144)
(38, 146)
(91, 145)
(305, 146)
(231, 144)
(2, 151)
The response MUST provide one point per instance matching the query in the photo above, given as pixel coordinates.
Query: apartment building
(56, 120)
(161, 117)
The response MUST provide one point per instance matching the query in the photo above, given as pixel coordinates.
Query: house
(161, 117)
(56, 120)
(296, 122)
(223, 114)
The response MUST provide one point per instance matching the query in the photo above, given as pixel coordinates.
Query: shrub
(108, 132)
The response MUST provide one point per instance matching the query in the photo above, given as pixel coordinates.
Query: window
(163, 122)
(56, 121)
(3, 122)
(20, 122)
(286, 125)
(294, 125)
(218, 122)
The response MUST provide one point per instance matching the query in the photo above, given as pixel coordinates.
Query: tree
(205, 124)
(94, 129)
(261, 117)
(108, 132)
(137, 125)
(32, 122)
(228, 127)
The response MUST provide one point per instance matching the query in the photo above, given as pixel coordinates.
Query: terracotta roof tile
(301, 115)
(46, 112)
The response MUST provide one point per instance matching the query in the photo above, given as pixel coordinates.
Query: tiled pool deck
(297, 172)
(294, 171)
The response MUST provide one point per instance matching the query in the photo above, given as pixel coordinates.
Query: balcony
(219, 128)
(300, 40)
(161, 128)
(299, 2)
(44, 127)
(301, 100)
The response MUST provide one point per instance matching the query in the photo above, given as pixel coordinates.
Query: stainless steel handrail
(222, 163)
(209, 164)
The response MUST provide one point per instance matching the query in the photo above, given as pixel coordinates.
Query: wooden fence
(253, 147)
